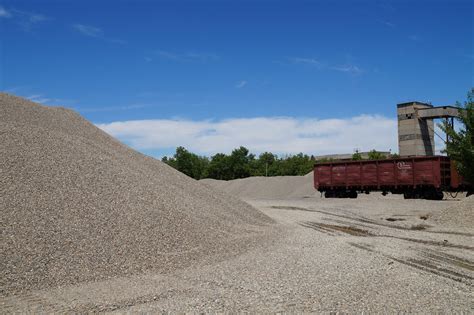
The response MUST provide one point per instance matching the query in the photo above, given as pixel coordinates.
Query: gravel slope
(77, 205)
(275, 187)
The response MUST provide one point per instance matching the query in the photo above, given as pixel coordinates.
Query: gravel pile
(276, 187)
(459, 215)
(77, 205)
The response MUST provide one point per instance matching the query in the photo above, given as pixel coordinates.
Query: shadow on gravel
(394, 219)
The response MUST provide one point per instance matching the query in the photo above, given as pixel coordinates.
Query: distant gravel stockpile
(459, 215)
(77, 205)
(275, 187)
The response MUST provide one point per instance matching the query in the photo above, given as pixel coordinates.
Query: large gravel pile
(459, 215)
(277, 187)
(77, 205)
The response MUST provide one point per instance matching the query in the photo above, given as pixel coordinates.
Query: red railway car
(414, 177)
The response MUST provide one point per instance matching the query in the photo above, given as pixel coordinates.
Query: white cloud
(276, 134)
(38, 98)
(346, 68)
(88, 30)
(241, 84)
(352, 69)
(96, 32)
(4, 13)
(308, 61)
(26, 20)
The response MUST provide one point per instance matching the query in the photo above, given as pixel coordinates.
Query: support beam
(438, 112)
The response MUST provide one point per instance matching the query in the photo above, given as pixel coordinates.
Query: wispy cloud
(112, 108)
(96, 32)
(14, 89)
(88, 30)
(4, 13)
(26, 20)
(414, 38)
(469, 56)
(307, 61)
(38, 98)
(352, 69)
(277, 134)
(42, 99)
(241, 84)
(346, 68)
(387, 23)
(182, 57)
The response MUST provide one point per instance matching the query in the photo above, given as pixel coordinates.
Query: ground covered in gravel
(77, 205)
(348, 256)
(89, 225)
(274, 187)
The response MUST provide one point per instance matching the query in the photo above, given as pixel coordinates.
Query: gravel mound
(77, 205)
(276, 187)
(459, 215)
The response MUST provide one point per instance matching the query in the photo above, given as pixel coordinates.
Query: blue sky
(199, 71)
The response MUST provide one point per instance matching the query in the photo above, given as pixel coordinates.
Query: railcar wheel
(353, 194)
(329, 194)
(439, 195)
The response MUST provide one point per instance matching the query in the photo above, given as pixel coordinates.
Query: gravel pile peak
(274, 187)
(78, 205)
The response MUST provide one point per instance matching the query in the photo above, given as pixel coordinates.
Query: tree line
(241, 163)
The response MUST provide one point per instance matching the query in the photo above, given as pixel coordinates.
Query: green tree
(240, 162)
(375, 155)
(299, 164)
(356, 156)
(219, 167)
(460, 146)
(188, 163)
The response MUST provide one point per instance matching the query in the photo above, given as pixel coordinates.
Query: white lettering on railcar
(403, 166)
